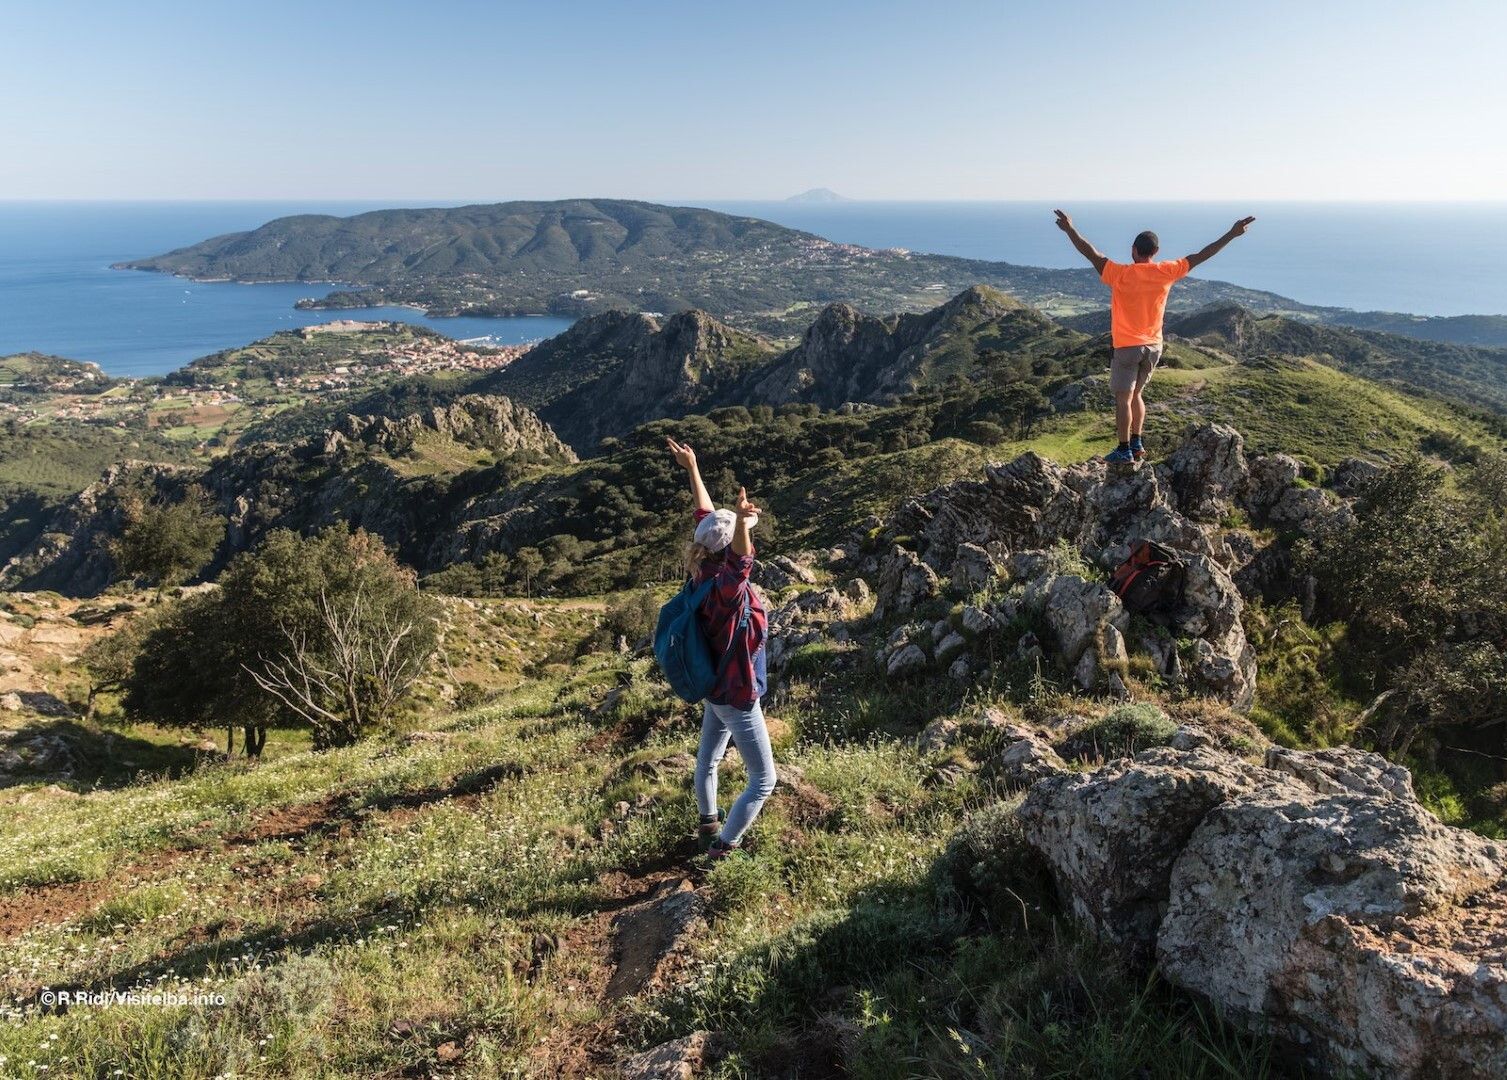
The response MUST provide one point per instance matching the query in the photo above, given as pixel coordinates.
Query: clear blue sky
(1319, 99)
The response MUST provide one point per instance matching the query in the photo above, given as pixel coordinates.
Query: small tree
(326, 631)
(527, 564)
(165, 543)
(337, 610)
(350, 674)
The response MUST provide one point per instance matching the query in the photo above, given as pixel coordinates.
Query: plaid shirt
(742, 683)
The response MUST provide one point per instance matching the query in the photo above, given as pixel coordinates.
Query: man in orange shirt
(1137, 301)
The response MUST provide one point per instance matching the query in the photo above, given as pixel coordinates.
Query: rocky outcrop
(365, 472)
(483, 421)
(612, 372)
(905, 582)
(71, 556)
(1312, 897)
(1008, 528)
(847, 356)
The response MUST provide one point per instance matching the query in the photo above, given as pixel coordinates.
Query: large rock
(678, 1059)
(1027, 758)
(1111, 836)
(973, 569)
(1209, 470)
(1078, 611)
(1312, 898)
(1337, 919)
(1224, 663)
(905, 582)
(1270, 477)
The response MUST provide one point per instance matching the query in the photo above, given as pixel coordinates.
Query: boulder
(678, 1059)
(1336, 920)
(973, 569)
(1208, 471)
(781, 572)
(1077, 612)
(1024, 566)
(1313, 898)
(1086, 671)
(1224, 662)
(977, 621)
(1026, 759)
(1111, 836)
(1341, 769)
(1112, 653)
(1300, 509)
(950, 646)
(906, 660)
(1352, 475)
(1271, 475)
(856, 591)
(938, 735)
(905, 582)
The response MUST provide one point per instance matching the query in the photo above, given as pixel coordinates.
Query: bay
(58, 294)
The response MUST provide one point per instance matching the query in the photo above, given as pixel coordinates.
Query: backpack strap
(740, 633)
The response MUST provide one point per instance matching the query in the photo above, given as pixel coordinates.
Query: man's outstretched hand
(1237, 229)
(1064, 222)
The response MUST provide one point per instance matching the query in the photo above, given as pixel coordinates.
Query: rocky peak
(1229, 323)
(484, 421)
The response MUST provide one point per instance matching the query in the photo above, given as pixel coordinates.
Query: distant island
(818, 195)
(578, 257)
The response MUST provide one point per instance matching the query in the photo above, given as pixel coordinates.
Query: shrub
(628, 620)
(165, 543)
(1127, 728)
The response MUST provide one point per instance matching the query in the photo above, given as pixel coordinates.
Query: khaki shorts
(1131, 368)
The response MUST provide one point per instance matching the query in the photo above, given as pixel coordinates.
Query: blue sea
(1423, 258)
(59, 295)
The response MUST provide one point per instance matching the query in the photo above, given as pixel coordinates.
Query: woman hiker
(732, 618)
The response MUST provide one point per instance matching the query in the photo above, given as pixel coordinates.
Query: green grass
(373, 910)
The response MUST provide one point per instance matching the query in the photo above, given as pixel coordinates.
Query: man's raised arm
(1087, 250)
(1237, 229)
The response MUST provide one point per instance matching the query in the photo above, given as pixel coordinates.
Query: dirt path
(632, 941)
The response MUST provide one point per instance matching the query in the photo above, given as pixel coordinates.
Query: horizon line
(701, 200)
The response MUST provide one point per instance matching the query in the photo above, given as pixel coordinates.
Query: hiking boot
(1137, 448)
(1120, 456)
(716, 853)
(707, 831)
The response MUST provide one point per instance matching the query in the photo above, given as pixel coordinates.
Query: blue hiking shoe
(1137, 447)
(1120, 456)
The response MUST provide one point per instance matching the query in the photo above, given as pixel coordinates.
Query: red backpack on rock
(1150, 579)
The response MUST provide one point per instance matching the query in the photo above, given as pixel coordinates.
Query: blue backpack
(681, 648)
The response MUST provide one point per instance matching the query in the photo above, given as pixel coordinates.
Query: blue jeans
(745, 727)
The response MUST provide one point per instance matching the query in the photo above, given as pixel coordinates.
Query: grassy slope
(374, 910)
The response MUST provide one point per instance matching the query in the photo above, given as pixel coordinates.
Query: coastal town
(198, 402)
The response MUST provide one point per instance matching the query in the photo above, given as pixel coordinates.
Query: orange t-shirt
(1138, 299)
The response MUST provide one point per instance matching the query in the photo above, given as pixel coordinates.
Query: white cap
(715, 531)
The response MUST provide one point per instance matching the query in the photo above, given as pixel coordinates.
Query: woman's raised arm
(686, 458)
